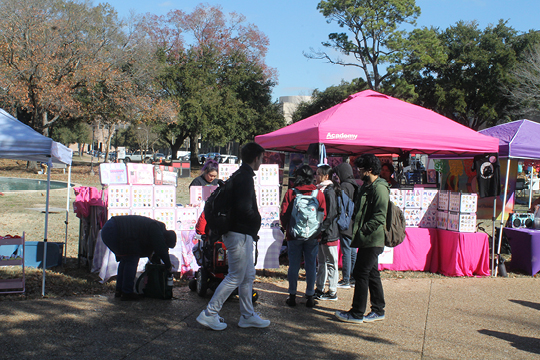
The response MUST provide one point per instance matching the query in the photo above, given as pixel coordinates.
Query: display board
(113, 174)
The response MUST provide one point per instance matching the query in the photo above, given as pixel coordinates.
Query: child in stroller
(211, 255)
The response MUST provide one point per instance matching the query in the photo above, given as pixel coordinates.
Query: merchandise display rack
(12, 286)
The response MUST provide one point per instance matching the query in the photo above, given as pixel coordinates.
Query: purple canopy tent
(517, 140)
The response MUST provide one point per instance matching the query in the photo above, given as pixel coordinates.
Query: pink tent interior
(372, 122)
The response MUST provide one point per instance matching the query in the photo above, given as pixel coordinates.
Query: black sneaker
(310, 301)
(329, 296)
(318, 293)
(352, 282)
(342, 284)
(291, 301)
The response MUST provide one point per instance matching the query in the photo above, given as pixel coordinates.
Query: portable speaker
(522, 220)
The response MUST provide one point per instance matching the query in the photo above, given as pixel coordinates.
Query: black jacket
(201, 181)
(139, 236)
(348, 185)
(329, 227)
(245, 213)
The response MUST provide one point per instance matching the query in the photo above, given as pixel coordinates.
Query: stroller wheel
(202, 282)
(192, 284)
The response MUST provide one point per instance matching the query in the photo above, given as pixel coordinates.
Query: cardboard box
(442, 219)
(462, 222)
(463, 203)
(443, 200)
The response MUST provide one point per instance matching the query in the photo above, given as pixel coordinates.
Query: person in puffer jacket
(328, 250)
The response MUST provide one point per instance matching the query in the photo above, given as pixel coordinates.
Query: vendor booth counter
(449, 253)
(525, 245)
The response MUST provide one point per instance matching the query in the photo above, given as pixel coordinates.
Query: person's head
(252, 154)
(210, 170)
(387, 170)
(170, 238)
(303, 176)
(324, 172)
(368, 164)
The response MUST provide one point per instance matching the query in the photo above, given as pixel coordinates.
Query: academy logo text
(341, 136)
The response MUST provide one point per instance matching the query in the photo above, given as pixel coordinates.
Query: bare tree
(526, 92)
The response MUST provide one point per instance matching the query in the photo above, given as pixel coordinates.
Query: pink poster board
(119, 196)
(142, 196)
(113, 174)
(186, 218)
(140, 174)
(164, 196)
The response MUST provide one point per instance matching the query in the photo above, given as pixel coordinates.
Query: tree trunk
(194, 149)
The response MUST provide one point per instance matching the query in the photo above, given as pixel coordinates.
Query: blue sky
(295, 26)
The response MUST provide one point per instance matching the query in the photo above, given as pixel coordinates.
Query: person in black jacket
(244, 227)
(131, 237)
(348, 185)
(328, 250)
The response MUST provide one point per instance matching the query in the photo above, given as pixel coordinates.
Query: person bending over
(131, 237)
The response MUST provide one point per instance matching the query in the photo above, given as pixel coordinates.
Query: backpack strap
(314, 193)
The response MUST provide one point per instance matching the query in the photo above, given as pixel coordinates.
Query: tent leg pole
(503, 213)
(493, 220)
(49, 166)
(67, 213)
(530, 189)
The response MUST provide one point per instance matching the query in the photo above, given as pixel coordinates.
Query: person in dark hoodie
(303, 183)
(131, 237)
(328, 251)
(348, 185)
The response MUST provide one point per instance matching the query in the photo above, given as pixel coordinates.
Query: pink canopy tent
(370, 122)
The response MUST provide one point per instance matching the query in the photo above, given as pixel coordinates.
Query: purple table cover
(525, 245)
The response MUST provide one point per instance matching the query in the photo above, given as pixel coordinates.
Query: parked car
(137, 156)
(228, 159)
(159, 157)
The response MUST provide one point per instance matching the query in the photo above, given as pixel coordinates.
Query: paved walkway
(449, 318)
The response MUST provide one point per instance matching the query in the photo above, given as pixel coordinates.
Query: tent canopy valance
(20, 142)
(376, 123)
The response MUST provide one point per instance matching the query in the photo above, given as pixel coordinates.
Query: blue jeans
(127, 269)
(309, 249)
(348, 258)
(241, 274)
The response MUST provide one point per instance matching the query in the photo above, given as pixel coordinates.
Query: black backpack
(218, 208)
(153, 282)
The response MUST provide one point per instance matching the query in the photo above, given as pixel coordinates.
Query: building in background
(289, 105)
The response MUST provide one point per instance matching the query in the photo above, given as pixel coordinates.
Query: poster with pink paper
(142, 196)
(113, 174)
(119, 196)
(269, 217)
(186, 218)
(198, 194)
(226, 170)
(140, 174)
(268, 196)
(164, 196)
(268, 174)
(166, 216)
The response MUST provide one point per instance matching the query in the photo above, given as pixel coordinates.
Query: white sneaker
(214, 322)
(253, 321)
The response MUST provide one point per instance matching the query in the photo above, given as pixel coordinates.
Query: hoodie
(348, 185)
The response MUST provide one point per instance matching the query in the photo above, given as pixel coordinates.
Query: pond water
(17, 184)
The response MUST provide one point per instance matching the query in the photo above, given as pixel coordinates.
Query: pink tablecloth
(461, 254)
(415, 253)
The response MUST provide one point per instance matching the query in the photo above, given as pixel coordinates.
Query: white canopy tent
(21, 142)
